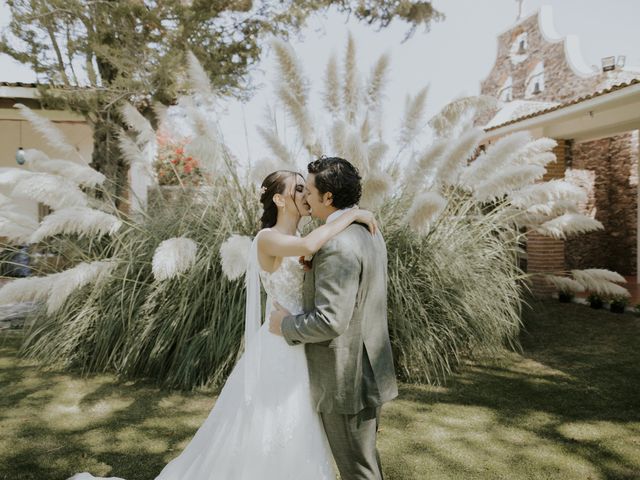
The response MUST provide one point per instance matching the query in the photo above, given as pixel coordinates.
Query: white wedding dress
(263, 425)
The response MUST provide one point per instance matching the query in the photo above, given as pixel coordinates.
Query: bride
(263, 425)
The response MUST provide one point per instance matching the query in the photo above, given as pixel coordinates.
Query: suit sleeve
(337, 277)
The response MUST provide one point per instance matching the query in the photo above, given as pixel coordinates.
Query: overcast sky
(452, 58)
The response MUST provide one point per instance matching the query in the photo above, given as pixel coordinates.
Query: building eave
(602, 113)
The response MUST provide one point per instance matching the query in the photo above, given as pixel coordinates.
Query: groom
(344, 324)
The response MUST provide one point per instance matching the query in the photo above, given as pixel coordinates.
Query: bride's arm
(276, 244)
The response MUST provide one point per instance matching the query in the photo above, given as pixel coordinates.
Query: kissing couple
(305, 396)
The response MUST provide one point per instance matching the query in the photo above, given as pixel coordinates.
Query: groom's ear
(327, 199)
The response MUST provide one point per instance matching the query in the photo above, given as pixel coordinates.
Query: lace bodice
(285, 284)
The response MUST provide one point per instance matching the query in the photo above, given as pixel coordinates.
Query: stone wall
(607, 168)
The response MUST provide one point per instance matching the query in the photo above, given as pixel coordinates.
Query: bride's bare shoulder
(264, 233)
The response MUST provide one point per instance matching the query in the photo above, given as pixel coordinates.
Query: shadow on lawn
(568, 405)
(57, 424)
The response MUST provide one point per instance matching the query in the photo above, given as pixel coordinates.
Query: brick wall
(546, 254)
(557, 169)
(607, 168)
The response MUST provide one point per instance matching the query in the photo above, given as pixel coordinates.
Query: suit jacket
(344, 324)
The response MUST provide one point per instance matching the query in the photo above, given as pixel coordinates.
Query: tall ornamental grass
(159, 293)
(182, 328)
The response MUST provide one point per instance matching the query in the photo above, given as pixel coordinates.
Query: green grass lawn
(567, 407)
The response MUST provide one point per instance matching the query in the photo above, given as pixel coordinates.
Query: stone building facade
(608, 169)
(536, 69)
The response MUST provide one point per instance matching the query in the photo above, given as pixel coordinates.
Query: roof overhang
(597, 117)
(10, 94)
(7, 91)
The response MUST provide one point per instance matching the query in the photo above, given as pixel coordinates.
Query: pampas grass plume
(545, 192)
(135, 120)
(569, 224)
(508, 180)
(262, 168)
(601, 282)
(365, 129)
(542, 159)
(65, 283)
(455, 159)
(535, 150)
(129, 148)
(52, 190)
(82, 221)
(597, 274)
(15, 226)
(495, 158)
(356, 151)
(276, 146)
(339, 137)
(10, 177)
(375, 153)
(52, 134)
(293, 92)
(413, 117)
(290, 71)
(204, 147)
(377, 81)
(173, 257)
(198, 78)
(553, 209)
(331, 95)
(4, 201)
(375, 188)
(450, 116)
(29, 289)
(351, 92)
(427, 163)
(298, 112)
(234, 254)
(565, 284)
(82, 175)
(425, 210)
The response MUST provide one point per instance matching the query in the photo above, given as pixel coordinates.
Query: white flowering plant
(454, 215)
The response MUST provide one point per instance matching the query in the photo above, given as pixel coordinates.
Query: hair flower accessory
(263, 190)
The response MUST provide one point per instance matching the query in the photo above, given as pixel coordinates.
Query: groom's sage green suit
(344, 327)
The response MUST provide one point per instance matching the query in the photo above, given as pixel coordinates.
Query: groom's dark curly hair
(338, 176)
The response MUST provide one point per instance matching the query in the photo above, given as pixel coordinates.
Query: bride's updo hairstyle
(275, 182)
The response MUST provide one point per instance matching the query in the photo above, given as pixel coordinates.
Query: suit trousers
(353, 443)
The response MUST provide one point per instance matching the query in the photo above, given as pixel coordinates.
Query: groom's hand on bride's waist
(275, 319)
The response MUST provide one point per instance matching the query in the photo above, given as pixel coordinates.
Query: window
(505, 94)
(535, 81)
(519, 49)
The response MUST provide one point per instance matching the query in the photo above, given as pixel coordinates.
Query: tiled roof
(517, 109)
(19, 84)
(598, 93)
(36, 85)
